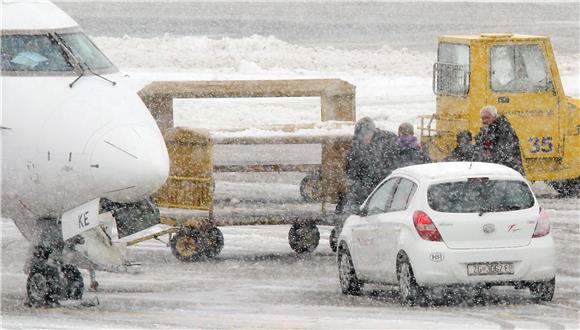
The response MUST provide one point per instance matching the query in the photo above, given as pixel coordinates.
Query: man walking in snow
(497, 142)
(369, 160)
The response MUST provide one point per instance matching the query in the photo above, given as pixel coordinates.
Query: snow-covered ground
(258, 282)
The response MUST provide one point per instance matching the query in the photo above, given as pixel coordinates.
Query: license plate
(490, 268)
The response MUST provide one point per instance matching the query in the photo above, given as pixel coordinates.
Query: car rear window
(480, 195)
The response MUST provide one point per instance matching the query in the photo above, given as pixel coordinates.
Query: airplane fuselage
(66, 144)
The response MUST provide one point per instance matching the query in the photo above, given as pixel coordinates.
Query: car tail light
(425, 227)
(543, 224)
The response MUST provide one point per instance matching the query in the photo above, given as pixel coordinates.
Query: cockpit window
(85, 51)
(32, 53)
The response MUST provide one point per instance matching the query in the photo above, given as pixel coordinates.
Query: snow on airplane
(77, 144)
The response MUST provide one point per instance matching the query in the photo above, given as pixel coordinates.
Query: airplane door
(521, 87)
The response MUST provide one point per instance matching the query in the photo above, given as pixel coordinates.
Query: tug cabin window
(519, 68)
(451, 72)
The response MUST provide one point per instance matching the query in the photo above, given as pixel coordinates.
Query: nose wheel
(48, 283)
(43, 286)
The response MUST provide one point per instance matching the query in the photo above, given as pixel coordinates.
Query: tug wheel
(187, 244)
(566, 188)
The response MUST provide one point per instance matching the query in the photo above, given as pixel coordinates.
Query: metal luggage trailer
(190, 184)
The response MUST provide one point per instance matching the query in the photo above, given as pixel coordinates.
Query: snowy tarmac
(258, 282)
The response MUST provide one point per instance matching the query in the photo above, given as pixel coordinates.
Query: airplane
(77, 144)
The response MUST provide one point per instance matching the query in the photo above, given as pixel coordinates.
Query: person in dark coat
(497, 142)
(465, 150)
(369, 160)
(408, 150)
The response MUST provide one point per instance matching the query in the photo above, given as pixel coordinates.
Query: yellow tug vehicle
(518, 75)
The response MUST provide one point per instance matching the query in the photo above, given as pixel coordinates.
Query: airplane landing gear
(43, 285)
(74, 284)
(48, 282)
(49, 279)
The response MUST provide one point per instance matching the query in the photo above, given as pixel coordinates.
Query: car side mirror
(362, 211)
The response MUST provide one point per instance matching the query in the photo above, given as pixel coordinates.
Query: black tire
(213, 242)
(410, 293)
(310, 188)
(566, 188)
(187, 245)
(332, 239)
(73, 282)
(349, 282)
(43, 286)
(543, 291)
(303, 237)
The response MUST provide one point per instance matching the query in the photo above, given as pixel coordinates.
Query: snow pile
(267, 53)
(172, 53)
(392, 86)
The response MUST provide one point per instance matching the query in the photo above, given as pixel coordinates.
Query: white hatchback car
(449, 224)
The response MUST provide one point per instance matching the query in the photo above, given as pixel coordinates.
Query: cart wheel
(303, 237)
(310, 188)
(213, 242)
(332, 239)
(187, 245)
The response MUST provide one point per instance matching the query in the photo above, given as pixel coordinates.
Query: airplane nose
(130, 163)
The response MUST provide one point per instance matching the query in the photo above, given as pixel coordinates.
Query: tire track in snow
(552, 325)
(503, 324)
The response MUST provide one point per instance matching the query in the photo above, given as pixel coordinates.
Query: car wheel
(543, 291)
(410, 293)
(349, 283)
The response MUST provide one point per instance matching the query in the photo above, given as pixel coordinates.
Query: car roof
(452, 170)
